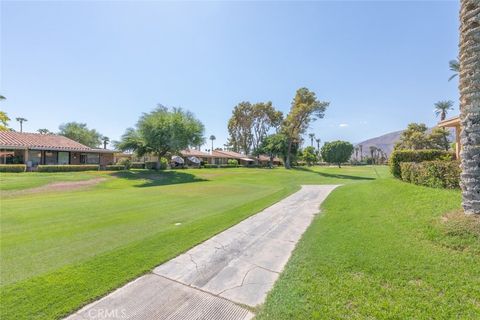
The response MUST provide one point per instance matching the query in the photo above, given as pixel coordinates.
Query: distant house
(222, 157)
(200, 155)
(33, 149)
(453, 123)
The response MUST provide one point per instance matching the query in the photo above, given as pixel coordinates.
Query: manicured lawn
(383, 250)
(20, 181)
(60, 250)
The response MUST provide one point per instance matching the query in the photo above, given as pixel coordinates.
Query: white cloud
(343, 125)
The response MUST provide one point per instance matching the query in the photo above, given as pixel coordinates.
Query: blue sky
(380, 64)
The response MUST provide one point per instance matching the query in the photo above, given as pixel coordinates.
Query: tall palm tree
(442, 108)
(312, 137)
(105, 140)
(318, 144)
(212, 137)
(21, 120)
(455, 68)
(2, 97)
(470, 104)
(373, 149)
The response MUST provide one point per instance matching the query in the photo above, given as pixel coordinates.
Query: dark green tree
(337, 152)
(79, 132)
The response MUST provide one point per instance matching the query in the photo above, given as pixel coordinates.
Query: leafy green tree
(414, 137)
(79, 132)
(240, 127)
(4, 121)
(455, 68)
(309, 155)
(163, 132)
(442, 108)
(305, 109)
(250, 124)
(337, 152)
(274, 145)
(439, 139)
(44, 131)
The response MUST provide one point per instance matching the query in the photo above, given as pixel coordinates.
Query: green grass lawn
(61, 250)
(383, 250)
(15, 181)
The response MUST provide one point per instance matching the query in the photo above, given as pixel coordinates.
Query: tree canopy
(79, 132)
(337, 152)
(416, 137)
(305, 109)
(309, 155)
(163, 131)
(250, 124)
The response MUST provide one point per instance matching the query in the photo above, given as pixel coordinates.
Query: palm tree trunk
(470, 104)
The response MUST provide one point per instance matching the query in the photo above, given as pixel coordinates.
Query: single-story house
(33, 149)
(453, 123)
(222, 157)
(265, 160)
(200, 155)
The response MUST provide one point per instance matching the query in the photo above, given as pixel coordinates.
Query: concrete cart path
(212, 280)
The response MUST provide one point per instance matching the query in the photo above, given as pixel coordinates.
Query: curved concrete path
(215, 279)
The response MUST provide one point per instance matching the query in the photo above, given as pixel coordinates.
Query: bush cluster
(399, 156)
(232, 162)
(436, 174)
(137, 165)
(152, 165)
(66, 168)
(124, 162)
(13, 168)
(115, 167)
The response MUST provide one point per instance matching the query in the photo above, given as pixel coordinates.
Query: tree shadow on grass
(334, 175)
(153, 178)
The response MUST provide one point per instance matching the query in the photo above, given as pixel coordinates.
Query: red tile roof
(228, 154)
(37, 141)
(195, 153)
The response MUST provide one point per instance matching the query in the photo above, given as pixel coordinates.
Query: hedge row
(115, 167)
(436, 174)
(13, 168)
(399, 156)
(66, 168)
(137, 165)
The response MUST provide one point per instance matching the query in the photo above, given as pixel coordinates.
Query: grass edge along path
(50, 296)
(373, 257)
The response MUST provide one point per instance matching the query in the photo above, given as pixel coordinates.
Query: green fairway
(383, 250)
(60, 250)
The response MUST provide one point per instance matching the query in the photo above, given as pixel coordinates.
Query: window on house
(93, 158)
(50, 157)
(63, 158)
(34, 157)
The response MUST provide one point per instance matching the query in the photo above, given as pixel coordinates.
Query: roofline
(56, 149)
(452, 122)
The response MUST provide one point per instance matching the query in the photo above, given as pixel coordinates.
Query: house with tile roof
(33, 149)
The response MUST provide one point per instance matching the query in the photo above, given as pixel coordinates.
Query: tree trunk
(289, 150)
(470, 104)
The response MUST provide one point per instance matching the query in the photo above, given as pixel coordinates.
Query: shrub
(137, 165)
(115, 167)
(436, 174)
(13, 168)
(399, 156)
(209, 166)
(232, 162)
(67, 167)
(125, 162)
(153, 164)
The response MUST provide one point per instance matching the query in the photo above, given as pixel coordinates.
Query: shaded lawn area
(383, 250)
(62, 250)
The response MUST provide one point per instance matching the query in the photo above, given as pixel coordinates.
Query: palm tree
(212, 137)
(442, 108)
(105, 140)
(373, 149)
(312, 136)
(469, 104)
(318, 144)
(21, 120)
(2, 97)
(455, 67)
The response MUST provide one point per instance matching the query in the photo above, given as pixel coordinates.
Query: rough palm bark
(470, 104)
